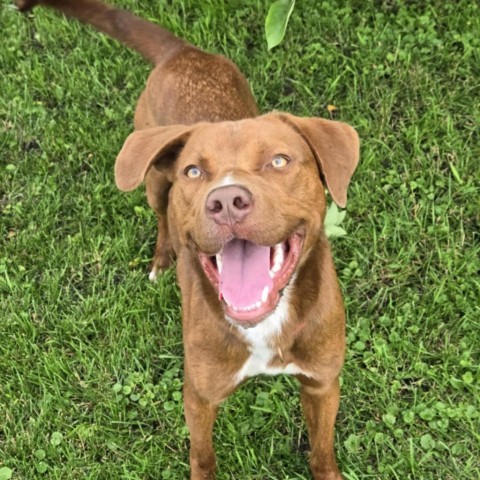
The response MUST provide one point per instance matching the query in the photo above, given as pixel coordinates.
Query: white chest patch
(261, 351)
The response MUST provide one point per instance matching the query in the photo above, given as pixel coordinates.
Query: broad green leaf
(353, 443)
(40, 454)
(277, 20)
(5, 473)
(41, 467)
(56, 439)
(427, 442)
(333, 219)
(332, 231)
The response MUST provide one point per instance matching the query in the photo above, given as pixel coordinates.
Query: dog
(240, 202)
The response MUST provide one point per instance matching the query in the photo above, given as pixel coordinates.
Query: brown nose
(229, 205)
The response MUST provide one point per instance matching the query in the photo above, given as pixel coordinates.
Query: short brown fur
(197, 108)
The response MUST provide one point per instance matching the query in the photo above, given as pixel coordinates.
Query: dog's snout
(229, 205)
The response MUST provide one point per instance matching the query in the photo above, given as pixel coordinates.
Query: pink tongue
(245, 273)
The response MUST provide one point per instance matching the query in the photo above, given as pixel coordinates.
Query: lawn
(90, 350)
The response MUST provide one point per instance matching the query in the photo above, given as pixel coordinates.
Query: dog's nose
(229, 205)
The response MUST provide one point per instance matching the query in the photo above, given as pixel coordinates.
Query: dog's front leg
(158, 187)
(200, 415)
(320, 406)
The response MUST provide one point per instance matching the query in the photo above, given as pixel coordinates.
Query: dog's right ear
(144, 148)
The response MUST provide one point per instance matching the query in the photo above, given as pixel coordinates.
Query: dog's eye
(193, 172)
(279, 161)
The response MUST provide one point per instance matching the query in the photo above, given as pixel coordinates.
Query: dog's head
(247, 196)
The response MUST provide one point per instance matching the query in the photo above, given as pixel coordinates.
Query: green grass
(90, 351)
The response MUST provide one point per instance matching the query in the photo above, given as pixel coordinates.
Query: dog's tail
(153, 42)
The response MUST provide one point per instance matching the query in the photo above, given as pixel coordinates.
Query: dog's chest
(262, 352)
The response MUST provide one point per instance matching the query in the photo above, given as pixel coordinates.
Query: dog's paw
(159, 264)
(335, 475)
(163, 259)
(153, 275)
(25, 5)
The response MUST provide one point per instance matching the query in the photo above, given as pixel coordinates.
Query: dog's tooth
(276, 267)
(265, 293)
(278, 255)
(249, 308)
(218, 257)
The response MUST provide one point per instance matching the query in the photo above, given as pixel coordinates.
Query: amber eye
(279, 161)
(193, 171)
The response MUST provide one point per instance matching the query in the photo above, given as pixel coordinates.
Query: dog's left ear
(336, 147)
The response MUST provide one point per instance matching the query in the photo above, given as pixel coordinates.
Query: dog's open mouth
(249, 278)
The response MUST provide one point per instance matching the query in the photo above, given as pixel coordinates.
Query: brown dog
(240, 200)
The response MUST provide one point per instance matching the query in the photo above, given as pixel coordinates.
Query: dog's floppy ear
(336, 148)
(144, 148)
